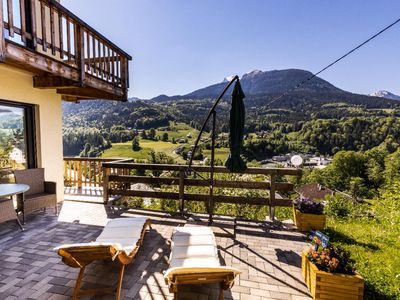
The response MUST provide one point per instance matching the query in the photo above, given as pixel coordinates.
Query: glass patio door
(17, 136)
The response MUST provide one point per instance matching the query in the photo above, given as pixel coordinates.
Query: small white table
(7, 210)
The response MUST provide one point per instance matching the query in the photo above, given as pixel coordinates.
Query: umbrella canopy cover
(236, 125)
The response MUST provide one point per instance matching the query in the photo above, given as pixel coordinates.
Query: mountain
(258, 83)
(316, 99)
(385, 94)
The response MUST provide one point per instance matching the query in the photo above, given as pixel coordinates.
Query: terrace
(267, 252)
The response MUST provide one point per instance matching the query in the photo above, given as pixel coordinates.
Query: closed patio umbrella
(236, 124)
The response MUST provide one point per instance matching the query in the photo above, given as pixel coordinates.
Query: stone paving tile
(267, 255)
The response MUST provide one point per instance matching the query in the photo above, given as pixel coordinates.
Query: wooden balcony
(62, 51)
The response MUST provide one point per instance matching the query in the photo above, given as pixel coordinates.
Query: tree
(135, 144)
(345, 165)
(89, 151)
(164, 137)
(152, 134)
(159, 158)
(392, 167)
(120, 134)
(357, 187)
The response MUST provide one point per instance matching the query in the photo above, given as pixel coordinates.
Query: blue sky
(181, 45)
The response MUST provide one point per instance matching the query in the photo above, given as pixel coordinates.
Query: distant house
(18, 156)
(280, 158)
(314, 191)
(318, 162)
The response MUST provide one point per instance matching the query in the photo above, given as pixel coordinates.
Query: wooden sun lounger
(120, 240)
(194, 260)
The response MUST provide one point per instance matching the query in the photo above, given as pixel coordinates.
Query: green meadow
(176, 131)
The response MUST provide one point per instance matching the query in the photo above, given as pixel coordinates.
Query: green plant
(387, 208)
(338, 206)
(132, 202)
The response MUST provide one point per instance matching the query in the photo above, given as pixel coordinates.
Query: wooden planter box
(324, 285)
(307, 222)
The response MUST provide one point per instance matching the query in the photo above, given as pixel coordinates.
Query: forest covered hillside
(318, 117)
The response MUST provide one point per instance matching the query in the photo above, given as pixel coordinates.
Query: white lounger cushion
(187, 240)
(192, 231)
(196, 262)
(127, 245)
(126, 222)
(194, 251)
(193, 246)
(121, 233)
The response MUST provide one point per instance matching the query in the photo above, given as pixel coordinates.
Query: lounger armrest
(82, 254)
(88, 246)
(194, 270)
(50, 187)
(180, 274)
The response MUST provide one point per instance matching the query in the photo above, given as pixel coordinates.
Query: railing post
(79, 174)
(66, 178)
(181, 191)
(106, 174)
(211, 199)
(124, 75)
(2, 41)
(80, 52)
(31, 25)
(272, 198)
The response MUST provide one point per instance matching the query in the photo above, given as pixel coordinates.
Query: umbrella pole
(212, 110)
(212, 113)
(211, 200)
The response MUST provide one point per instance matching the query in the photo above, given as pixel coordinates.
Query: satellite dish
(296, 160)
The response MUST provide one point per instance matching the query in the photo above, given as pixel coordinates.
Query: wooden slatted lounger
(194, 260)
(120, 240)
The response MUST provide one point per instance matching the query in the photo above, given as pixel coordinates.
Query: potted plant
(308, 215)
(329, 273)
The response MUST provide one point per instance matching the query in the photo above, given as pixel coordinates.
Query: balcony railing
(121, 183)
(72, 49)
(87, 172)
(119, 177)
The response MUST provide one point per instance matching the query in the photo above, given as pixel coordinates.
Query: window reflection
(13, 151)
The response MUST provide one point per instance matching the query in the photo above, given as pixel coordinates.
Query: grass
(180, 130)
(220, 153)
(124, 150)
(373, 240)
(376, 250)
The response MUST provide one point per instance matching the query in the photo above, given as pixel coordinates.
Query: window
(17, 136)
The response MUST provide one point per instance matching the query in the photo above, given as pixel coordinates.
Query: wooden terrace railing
(48, 28)
(120, 183)
(87, 172)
